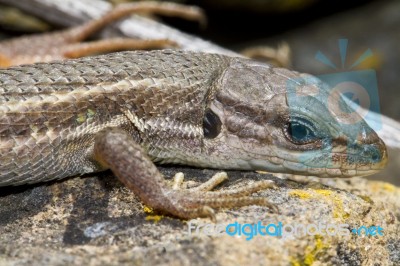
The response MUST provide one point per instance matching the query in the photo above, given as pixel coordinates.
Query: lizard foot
(116, 149)
(200, 201)
(207, 186)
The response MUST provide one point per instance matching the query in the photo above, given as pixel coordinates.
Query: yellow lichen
(388, 187)
(151, 216)
(294, 261)
(323, 192)
(327, 195)
(154, 218)
(147, 209)
(338, 211)
(300, 194)
(377, 186)
(311, 252)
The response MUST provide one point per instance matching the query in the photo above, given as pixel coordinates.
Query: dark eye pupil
(300, 133)
(211, 124)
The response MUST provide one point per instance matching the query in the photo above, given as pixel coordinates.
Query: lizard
(128, 111)
(67, 43)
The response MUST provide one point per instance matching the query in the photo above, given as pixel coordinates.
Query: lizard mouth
(341, 160)
(364, 158)
(367, 156)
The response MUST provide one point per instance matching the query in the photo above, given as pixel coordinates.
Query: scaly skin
(124, 111)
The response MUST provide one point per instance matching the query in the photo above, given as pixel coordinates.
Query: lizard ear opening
(211, 124)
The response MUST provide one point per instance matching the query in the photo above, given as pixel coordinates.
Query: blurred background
(307, 26)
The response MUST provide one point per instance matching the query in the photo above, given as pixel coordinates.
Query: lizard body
(124, 111)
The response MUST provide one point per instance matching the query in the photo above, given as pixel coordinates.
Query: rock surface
(95, 220)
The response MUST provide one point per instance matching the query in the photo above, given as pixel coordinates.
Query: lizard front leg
(117, 150)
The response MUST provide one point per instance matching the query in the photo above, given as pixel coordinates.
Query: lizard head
(277, 120)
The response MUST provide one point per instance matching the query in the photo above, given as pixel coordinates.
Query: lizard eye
(211, 124)
(300, 131)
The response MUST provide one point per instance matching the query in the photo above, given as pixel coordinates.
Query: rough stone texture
(95, 220)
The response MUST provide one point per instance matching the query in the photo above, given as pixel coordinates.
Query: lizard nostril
(375, 157)
(375, 152)
(372, 152)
